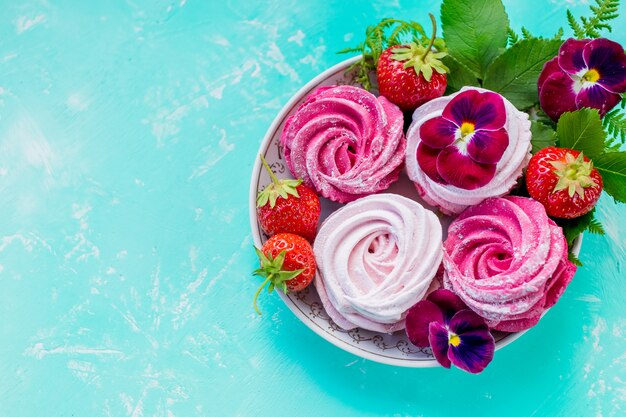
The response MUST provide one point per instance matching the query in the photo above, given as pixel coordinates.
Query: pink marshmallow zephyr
(376, 257)
(345, 143)
(466, 147)
(507, 261)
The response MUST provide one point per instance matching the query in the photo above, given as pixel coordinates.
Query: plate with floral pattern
(392, 349)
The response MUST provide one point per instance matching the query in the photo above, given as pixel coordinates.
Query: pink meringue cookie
(376, 258)
(451, 199)
(345, 142)
(508, 261)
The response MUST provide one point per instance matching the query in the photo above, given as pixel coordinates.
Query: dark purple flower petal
(438, 132)
(557, 95)
(487, 147)
(418, 319)
(473, 349)
(571, 55)
(608, 58)
(549, 68)
(427, 160)
(438, 338)
(447, 301)
(462, 171)
(474, 352)
(485, 110)
(598, 98)
(466, 321)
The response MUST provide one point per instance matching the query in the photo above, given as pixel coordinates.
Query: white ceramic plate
(391, 349)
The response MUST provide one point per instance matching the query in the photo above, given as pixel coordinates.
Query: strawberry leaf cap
(420, 58)
(574, 175)
(277, 188)
(272, 270)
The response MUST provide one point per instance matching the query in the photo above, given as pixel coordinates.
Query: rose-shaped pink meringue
(345, 142)
(494, 146)
(376, 258)
(507, 261)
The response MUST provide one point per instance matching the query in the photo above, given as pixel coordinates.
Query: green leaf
(574, 259)
(573, 227)
(458, 76)
(582, 130)
(514, 73)
(542, 136)
(595, 227)
(475, 32)
(590, 26)
(612, 167)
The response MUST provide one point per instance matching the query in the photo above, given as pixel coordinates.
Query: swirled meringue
(345, 142)
(508, 261)
(449, 198)
(376, 258)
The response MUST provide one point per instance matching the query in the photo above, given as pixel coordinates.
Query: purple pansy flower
(586, 73)
(463, 145)
(456, 334)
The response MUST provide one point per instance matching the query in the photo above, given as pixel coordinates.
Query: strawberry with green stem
(564, 181)
(288, 206)
(287, 263)
(410, 75)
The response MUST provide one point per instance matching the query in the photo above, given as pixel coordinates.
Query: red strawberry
(288, 206)
(564, 181)
(287, 263)
(410, 75)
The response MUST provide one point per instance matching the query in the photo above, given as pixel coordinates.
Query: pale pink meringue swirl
(345, 142)
(376, 258)
(508, 261)
(451, 199)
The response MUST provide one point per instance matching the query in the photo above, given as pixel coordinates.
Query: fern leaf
(574, 259)
(615, 124)
(595, 227)
(591, 26)
(579, 33)
(512, 37)
(526, 33)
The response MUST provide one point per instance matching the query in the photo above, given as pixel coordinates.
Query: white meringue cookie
(376, 258)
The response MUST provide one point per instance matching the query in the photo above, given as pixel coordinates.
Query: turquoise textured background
(127, 136)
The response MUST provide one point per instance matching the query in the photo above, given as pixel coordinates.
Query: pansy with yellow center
(463, 146)
(586, 73)
(456, 334)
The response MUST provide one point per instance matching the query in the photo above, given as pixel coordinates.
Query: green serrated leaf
(582, 130)
(612, 168)
(475, 32)
(514, 73)
(270, 288)
(458, 76)
(543, 136)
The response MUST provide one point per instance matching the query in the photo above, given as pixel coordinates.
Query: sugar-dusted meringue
(376, 258)
(345, 142)
(507, 261)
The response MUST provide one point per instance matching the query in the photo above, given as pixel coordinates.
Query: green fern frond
(595, 227)
(615, 124)
(559, 34)
(512, 37)
(591, 26)
(574, 259)
(579, 32)
(526, 33)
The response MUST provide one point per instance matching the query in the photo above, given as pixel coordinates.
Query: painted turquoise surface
(127, 136)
